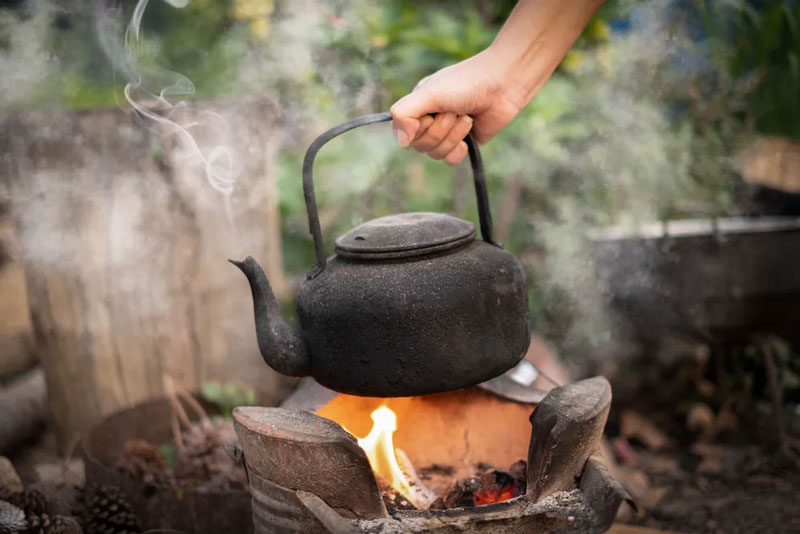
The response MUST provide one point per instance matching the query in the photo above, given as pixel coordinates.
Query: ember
(490, 486)
(503, 489)
(488, 497)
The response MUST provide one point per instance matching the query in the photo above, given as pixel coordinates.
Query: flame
(381, 454)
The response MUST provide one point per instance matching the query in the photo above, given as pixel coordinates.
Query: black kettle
(409, 304)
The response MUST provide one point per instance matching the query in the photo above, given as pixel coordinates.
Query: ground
(700, 451)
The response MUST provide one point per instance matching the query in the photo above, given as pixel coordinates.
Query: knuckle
(419, 147)
(436, 135)
(438, 152)
(457, 134)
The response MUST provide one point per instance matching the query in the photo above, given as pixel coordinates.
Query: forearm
(535, 39)
(485, 92)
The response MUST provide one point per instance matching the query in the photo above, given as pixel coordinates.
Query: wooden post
(124, 248)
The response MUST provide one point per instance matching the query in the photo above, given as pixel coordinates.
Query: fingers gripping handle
(484, 215)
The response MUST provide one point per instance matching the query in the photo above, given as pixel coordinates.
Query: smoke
(154, 92)
(25, 61)
(598, 147)
(645, 133)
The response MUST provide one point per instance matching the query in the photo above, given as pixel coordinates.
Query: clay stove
(308, 474)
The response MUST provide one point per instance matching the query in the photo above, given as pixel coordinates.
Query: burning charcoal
(496, 486)
(460, 495)
(488, 486)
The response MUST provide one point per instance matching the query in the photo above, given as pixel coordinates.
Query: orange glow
(456, 429)
(488, 497)
(379, 447)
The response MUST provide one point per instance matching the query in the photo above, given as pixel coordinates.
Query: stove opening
(455, 449)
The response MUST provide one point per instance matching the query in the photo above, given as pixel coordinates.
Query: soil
(756, 492)
(696, 440)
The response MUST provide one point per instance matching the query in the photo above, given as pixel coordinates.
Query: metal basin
(716, 280)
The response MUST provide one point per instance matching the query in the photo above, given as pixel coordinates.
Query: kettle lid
(405, 235)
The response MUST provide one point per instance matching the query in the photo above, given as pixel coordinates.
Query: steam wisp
(152, 92)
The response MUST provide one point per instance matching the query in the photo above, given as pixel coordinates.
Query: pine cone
(104, 510)
(60, 498)
(12, 519)
(31, 501)
(9, 479)
(44, 524)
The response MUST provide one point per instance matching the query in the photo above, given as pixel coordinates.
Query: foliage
(169, 452)
(84, 64)
(228, 395)
(640, 123)
(760, 39)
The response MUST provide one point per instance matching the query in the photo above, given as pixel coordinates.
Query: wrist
(518, 79)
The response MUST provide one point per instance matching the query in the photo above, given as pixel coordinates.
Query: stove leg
(602, 493)
(566, 430)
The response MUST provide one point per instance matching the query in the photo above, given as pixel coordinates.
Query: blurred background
(139, 149)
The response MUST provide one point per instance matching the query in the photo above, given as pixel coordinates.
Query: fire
(502, 494)
(456, 431)
(382, 455)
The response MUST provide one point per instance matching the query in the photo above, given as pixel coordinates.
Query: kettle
(410, 304)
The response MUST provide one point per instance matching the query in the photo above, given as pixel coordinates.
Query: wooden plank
(124, 247)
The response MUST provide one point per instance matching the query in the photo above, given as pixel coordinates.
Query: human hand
(485, 92)
(474, 94)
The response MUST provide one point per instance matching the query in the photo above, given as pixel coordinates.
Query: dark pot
(719, 281)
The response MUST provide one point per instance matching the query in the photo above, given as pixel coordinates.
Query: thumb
(406, 113)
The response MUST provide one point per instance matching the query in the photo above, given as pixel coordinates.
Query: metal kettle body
(410, 304)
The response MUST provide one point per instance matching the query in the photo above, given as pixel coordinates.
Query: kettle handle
(484, 215)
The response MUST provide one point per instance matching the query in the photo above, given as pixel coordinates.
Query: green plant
(760, 39)
(228, 395)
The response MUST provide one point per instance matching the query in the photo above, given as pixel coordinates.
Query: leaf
(170, 454)
(228, 395)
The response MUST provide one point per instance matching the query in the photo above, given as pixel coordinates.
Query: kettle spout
(281, 347)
